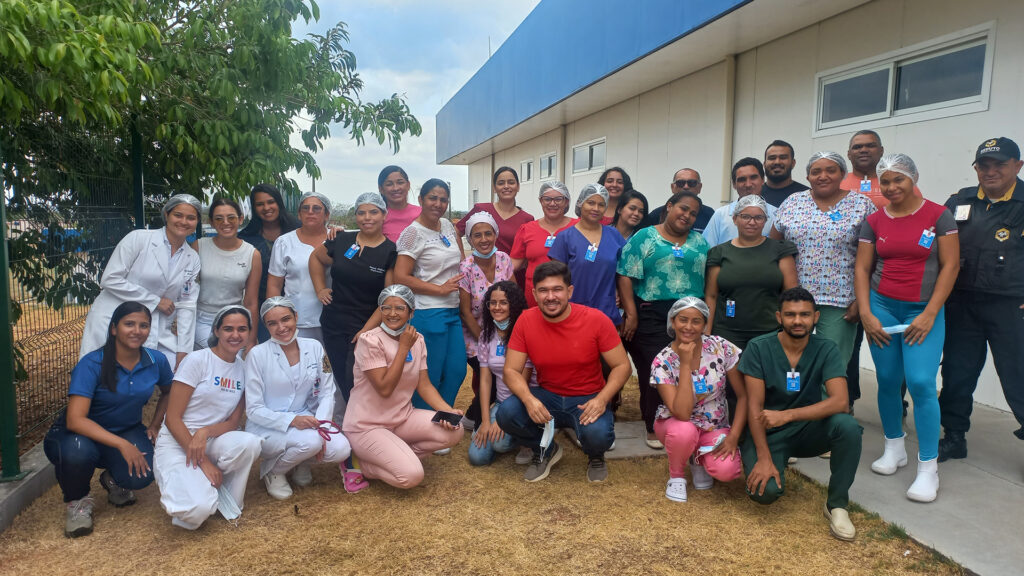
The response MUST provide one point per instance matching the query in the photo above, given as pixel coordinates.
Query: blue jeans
(446, 351)
(919, 364)
(483, 456)
(75, 459)
(595, 437)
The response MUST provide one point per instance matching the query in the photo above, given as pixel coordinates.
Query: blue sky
(424, 50)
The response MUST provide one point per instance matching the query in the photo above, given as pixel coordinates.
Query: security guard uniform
(984, 306)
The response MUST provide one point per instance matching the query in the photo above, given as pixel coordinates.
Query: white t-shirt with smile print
(218, 387)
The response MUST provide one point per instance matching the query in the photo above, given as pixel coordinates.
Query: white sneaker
(277, 486)
(701, 479)
(893, 457)
(442, 452)
(926, 486)
(302, 475)
(675, 490)
(610, 448)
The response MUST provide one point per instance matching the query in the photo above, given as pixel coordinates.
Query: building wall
(686, 122)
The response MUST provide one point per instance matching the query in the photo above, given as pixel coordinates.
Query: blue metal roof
(562, 47)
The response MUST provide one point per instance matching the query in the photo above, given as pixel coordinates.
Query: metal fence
(65, 213)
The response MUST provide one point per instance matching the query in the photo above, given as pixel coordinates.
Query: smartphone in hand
(449, 417)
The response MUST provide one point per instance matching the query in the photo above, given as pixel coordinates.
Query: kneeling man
(566, 343)
(791, 412)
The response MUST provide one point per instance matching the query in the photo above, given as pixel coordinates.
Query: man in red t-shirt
(565, 343)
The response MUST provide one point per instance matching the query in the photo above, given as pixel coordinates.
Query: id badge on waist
(792, 381)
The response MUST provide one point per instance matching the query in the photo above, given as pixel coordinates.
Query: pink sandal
(353, 480)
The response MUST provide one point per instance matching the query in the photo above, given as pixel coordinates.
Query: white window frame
(589, 144)
(526, 171)
(543, 163)
(973, 36)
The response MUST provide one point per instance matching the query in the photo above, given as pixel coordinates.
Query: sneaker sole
(597, 480)
(547, 469)
(78, 533)
(674, 498)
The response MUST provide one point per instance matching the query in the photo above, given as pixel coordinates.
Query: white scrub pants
(185, 492)
(283, 451)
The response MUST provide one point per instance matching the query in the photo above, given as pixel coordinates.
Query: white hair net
(323, 200)
(399, 291)
(231, 309)
(182, 199)
(274, 302)
(682, 304)
(373, 198)
(827, 155)
(900, 163)
(588, 191)
(751, 201)
(480, 218)
(557, 187)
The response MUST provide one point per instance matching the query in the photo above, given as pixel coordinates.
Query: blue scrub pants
(446, 351)
(919, 364)
(75, 459)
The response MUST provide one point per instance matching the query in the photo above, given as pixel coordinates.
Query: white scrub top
(218, 387)
(290, 260)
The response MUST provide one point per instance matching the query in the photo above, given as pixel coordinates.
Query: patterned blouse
(826, 243)
(475, 284)
(717, 357)
(659, 270)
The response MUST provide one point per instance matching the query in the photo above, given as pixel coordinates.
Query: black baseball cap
(1001, 149)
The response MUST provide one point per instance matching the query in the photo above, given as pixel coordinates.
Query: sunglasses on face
(686, 183)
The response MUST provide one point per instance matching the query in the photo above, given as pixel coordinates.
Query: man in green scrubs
(788, 414)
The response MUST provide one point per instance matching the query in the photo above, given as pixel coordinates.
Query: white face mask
(549, 434)
(295, 335)
(391, 332)
(227, 506)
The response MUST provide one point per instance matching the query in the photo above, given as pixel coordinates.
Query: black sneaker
(952, 446)
(597, 470)
(116, 495)
(540, 466)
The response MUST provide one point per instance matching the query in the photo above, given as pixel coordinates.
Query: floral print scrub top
(826, 243)
(717, 357)
(475, 284)
(659, 271)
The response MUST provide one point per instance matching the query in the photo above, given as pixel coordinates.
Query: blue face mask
(503, 325)
(485, 256)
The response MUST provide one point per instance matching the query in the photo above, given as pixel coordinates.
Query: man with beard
(566, 343)
(685, 179)
(788, 413)
(779, 161)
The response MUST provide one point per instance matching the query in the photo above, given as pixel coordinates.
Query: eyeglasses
(552, 200)
(497, 303)
(387, 309)
(222, 219)
(686, 183)
(748, 218)
(314, 208)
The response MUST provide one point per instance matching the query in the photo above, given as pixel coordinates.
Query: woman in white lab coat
(158, 269)
(289, 400)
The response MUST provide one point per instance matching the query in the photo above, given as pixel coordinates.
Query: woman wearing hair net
(389, 435)
(692, 422)
(201, 457)
(824, 223)
(158, 269)
(902, 286)
(533, 239)
(289, 263)
(289, 394)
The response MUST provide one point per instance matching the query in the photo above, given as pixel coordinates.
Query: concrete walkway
(978, 518)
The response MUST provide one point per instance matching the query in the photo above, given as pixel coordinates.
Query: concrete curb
(16, 496)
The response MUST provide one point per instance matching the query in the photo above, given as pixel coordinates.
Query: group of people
(743, 323)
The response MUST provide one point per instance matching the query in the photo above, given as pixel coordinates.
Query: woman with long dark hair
(503, 303)
(630, 214)
(616, 182)
(102, 425)
(393, 185)
(508, 216)
(270, 219)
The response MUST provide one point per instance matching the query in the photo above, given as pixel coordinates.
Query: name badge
(730, 308)
(835, 215)
(499, 350)
(927, 237)
(351, 251)
(549, 241)
(408, 356)
(963, 212)
(865, 185)
(447, 243)
(591, 254)
(792, 381)
(677, 251)
(700, 383)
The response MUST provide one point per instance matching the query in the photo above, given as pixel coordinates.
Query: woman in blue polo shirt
(102, 426)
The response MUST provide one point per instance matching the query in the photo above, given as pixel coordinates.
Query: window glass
(942, 78)
(581, 159)
(862, 95)
(597, 155)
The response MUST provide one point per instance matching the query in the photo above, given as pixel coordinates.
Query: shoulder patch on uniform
(326, 368)
(1002, 234)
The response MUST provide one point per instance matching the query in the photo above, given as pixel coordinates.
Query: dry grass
(476, 521)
